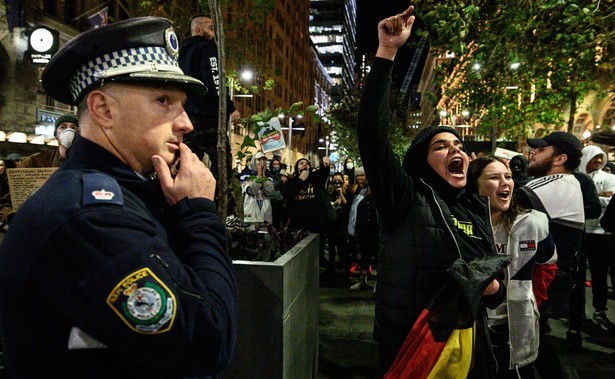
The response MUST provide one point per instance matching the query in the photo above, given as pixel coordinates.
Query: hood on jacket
(415, 162)
(589, 152)
(415, 159)
(296, 172)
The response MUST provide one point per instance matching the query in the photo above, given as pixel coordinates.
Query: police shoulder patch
(101, 188)
(143, 302)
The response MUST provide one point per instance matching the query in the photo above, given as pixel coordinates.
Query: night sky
(369, 13)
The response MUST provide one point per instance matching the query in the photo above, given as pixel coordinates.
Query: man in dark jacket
(198, 57)
(127, 259)
(430, 224)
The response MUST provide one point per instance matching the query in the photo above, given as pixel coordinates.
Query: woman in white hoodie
(522, 234)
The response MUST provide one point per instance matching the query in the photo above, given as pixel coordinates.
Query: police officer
(117, 267)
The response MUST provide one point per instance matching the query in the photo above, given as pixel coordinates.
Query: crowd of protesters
(319, 199)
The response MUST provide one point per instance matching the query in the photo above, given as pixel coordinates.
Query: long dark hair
(476, 168)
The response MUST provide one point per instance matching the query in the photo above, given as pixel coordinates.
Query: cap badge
(171, 42)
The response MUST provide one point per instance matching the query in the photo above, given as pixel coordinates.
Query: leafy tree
(343, 119)
(560, 47)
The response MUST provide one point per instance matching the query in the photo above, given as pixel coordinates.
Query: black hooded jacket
(422, 220)
(198, 58)
(304, 199)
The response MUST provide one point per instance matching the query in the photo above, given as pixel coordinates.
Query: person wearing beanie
(436, 234)
(65, 129)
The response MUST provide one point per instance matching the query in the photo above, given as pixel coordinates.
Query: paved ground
(347, 350)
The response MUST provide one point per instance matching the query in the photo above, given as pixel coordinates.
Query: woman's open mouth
(504, 195)
(455, 167)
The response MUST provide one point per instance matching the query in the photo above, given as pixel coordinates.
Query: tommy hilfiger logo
(527, 245)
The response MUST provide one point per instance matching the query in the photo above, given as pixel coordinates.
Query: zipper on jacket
(165, 266)
(433, 193)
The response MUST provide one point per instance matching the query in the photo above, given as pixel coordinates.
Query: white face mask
(349, 166)
(66, 138)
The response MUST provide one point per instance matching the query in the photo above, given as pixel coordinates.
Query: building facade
(333, 30)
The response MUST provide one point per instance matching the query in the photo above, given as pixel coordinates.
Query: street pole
(290, 139)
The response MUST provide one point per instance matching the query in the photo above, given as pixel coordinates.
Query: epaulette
(100, 188)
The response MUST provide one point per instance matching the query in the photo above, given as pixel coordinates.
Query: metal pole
(290, 138)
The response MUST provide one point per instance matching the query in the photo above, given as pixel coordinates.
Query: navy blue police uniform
(101, 278)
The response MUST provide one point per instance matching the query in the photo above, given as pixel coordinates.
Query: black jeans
(601, 254)
(367, 241)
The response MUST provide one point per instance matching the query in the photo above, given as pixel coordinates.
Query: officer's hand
(193, 179)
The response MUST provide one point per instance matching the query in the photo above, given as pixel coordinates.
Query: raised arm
(388, 182)
(393, 32)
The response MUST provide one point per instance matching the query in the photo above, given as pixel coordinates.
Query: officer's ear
(100, 108)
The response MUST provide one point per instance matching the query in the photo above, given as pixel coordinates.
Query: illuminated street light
(247, 75)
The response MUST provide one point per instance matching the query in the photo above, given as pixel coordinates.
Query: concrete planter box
(278, 316)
